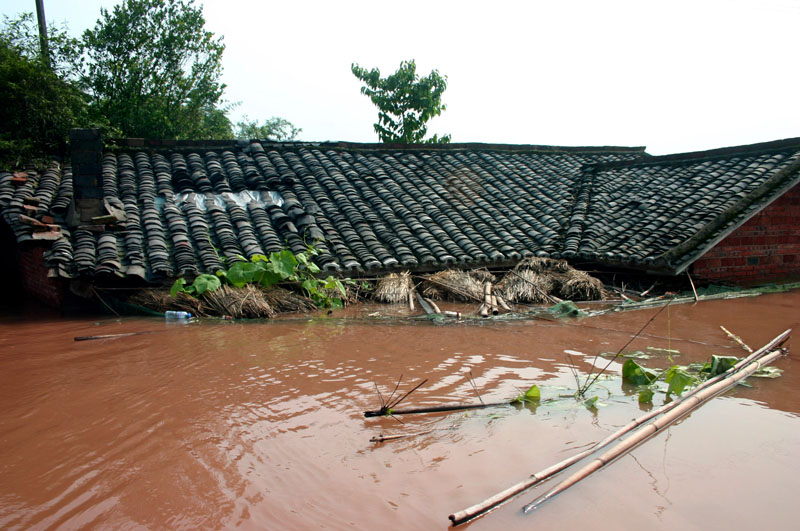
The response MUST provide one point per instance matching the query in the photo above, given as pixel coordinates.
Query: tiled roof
(374, 207)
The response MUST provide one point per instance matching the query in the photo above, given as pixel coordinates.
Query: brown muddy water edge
(260, 424)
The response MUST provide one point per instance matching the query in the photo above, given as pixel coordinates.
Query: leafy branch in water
(266, 271)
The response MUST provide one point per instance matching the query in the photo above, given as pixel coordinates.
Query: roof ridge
(695, 156)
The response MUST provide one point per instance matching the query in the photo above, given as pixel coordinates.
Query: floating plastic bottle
(172, 314)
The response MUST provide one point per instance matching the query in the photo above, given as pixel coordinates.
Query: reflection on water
(219, 424)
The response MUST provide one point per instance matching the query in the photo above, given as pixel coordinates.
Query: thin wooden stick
(411, 300)
(115, 336)
(696, 298)
(627, 444)
(432, 409)
(481, 508)
(737, 339)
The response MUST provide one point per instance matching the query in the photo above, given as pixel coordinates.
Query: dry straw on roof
(246, 302)
(544, 281)
(394, 288)
(462, 286)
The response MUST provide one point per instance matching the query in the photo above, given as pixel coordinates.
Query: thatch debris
(581, 286)
(394, 288)
(247, 302)
(455, 285)
(547, 281)
(285, 301)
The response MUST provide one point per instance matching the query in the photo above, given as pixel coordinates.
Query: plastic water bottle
(172, 314)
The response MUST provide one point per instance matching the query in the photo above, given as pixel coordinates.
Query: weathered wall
(765, 249)
(35, 282)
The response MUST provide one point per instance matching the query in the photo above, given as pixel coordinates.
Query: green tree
(154, 71)
(40, 104)
(273, 129)
(405, 102)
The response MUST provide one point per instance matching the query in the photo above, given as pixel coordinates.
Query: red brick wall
(50, 291)
(765, 249)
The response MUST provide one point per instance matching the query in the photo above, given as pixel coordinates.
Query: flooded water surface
(260, 424)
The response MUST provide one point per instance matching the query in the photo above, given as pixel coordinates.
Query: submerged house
(136, 211)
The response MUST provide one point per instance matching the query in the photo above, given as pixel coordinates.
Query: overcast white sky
(674, 75)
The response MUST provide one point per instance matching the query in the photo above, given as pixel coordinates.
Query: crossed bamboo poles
(671, 413)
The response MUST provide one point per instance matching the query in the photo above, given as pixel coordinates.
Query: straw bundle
(161, 301)
(285, 301)
(580, 285)
(246, 302)
(454, 285)
(526, 285)
(394, 288)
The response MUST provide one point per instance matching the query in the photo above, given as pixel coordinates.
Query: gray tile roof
(372, 207)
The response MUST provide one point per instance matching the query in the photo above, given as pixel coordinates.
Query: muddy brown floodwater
(260, 424)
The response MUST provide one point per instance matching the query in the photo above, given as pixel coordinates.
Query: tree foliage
(40, 105)
(405, 102)
(272, 129)
(154, 70)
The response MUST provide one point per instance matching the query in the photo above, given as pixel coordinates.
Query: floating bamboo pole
(481, 508)
(683, 409)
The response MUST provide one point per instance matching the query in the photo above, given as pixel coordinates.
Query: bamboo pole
(495, 310)
(483, 507)
(683, 409)
(411, 300)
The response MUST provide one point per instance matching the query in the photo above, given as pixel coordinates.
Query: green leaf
(635, 374)
(179, 286)
(205, 283)
(336, 303)
(721, 364)
(241, 273)
(533, 396)
(283, 263)
(646, 396)
(591, 403)
(678, 380)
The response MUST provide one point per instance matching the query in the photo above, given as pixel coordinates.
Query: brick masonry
(35, 281)
(765, 249)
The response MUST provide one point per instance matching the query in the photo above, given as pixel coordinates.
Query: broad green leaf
(177, 287)
(720, 364)
(242, 273)
(310, 285)
(678, 380)
(336, 303)
(635, 374)
(205, 283)
(646, 396)
(283, 263)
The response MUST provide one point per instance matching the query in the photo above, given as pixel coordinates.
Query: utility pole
(43, 33)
